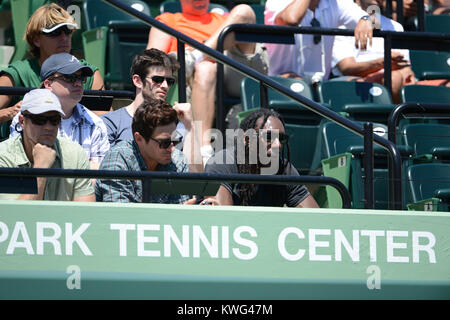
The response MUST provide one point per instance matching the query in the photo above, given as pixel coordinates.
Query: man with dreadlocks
(264, 135)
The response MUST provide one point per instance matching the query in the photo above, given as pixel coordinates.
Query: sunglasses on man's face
(40, 120)
(269, 136)
(71, 78)
(160, 79)
(57, 32)
(316, 24)
(165, 143)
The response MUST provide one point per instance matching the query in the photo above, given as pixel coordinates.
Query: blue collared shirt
(125, 156)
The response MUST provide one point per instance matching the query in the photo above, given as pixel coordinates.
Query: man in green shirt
(38, 147)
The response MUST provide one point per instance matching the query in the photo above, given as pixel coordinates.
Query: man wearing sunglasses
(64, 75)
(153, 149)
(263, 141)
(153, 75)
(49, 30)
(38, 146)
(310, 57)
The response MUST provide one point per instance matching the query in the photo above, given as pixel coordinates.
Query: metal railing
(422, 110)
(147, 176)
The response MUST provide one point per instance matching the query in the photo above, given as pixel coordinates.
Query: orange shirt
(199, 28)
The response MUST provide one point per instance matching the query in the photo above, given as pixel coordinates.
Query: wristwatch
(365, 18)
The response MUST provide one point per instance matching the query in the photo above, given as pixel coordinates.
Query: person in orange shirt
(196, 22)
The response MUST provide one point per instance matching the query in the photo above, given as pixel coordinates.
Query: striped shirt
(125, 156)
(83, 127)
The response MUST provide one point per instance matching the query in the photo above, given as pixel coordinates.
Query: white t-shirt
(304, 57)
(344, 47)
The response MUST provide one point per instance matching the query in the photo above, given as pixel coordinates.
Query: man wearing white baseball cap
(64, 75)
(38, 146)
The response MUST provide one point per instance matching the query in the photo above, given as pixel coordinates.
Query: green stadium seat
(428, 187)
(341, 154)
(428, 141)
(21, 11)
(430, 65)
(112, 39)
(360, 101)
(425, 94)
(291, 109)
(259, 12)
(437, 23)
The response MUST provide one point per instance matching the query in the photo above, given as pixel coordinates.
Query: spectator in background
(49, 30)
(152, 149)
(264, 134)
(38, 146)
(152, 73)
(64, 75)
(440, 7)
(368, 65)
(196, 22)
(310, 56)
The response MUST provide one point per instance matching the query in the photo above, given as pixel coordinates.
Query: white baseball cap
(39, 101)
(69, 25)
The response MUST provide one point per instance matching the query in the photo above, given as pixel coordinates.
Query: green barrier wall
(66, 250)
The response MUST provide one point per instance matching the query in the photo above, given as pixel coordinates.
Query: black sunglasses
(160, 79)
(316, 24)
(41, 120)
(57, 32)
(71, 78)
(269, 136)
(165, 143)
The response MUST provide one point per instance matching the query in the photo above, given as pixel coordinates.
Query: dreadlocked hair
(246, 190)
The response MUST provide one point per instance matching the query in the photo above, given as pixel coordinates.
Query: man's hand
(7, 114)
(363, 33)
(184, 113)
(43, 156)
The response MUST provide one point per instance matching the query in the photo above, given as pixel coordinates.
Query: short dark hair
(151, 114)
(152, 58)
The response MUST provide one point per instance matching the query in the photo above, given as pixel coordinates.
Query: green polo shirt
(69, 155)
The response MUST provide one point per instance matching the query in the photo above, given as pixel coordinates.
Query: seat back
(21, 11)
(426, 138)
(112, 39)
(422, 93)
(429, 65)
(437, 23)
(99, 13)
(338, 94)
(424, 179)
(337, 139)
(292, 111)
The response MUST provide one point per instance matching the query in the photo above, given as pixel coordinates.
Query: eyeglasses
(316, 24)
(160, 79)
(41, 120)
(57, 32)
(71, 78)
(165, 143)
(269, 136)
